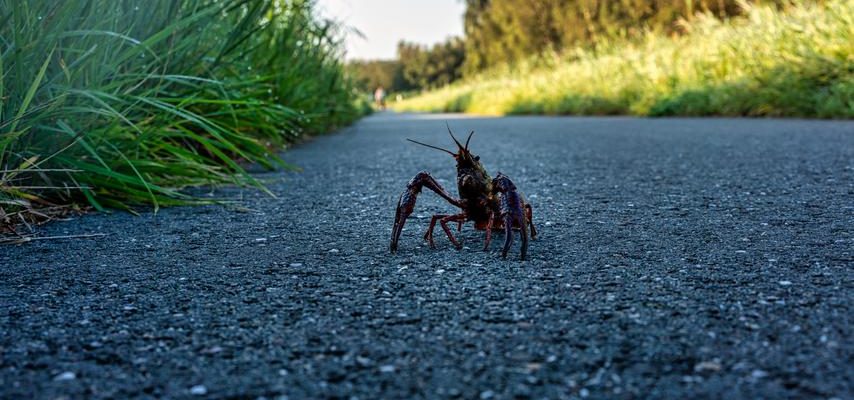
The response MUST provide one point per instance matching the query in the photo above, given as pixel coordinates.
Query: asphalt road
(677, 258)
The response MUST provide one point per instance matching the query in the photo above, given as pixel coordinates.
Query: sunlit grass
(793, 62)
(117, 103)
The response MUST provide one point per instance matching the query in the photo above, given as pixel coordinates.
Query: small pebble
(199, 390)
(785, 283)
(707, 366)
(333, 250)
(487, 394)
(387, 368)
(533, 367)
(758, 374)
(212, 350)
(295, 265)
(66, 376)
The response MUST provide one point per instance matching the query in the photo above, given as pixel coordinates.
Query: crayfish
(491, 203)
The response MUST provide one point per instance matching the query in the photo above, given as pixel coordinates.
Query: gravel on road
(677, 258)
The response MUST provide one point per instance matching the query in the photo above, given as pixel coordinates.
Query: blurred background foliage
(116, 103)
(649, 57)
(793, 60)
(416, 67)
(502, 31)
(642, 57)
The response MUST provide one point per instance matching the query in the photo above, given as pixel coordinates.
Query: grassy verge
(118, 103)
(796, 62)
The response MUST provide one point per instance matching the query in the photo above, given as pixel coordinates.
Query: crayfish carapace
(493, 204)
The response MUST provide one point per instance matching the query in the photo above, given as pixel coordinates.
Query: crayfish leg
(489, 224)
(529, 214)
(461, 217)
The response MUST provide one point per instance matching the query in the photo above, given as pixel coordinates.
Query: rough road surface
(677, 258)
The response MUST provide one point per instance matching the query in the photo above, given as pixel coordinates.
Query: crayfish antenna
(452, 136)
(433, 147)
(467, 140)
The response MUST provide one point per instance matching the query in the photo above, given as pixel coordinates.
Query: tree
(371, 74)
(428, 67)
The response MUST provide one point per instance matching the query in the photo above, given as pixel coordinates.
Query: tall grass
(797, 61)
(117, 103)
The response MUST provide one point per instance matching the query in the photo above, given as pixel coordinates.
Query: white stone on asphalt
(198, 390)
(66, 376)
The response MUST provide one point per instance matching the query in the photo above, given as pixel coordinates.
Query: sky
(383, 23)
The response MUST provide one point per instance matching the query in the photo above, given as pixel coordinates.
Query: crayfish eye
(477, 158)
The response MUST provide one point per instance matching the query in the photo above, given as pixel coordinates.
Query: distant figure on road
(379, 98)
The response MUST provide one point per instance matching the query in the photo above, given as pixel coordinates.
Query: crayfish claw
(514, 212)
(406, 205)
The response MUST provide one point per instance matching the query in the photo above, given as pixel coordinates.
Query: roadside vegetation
(794, 60)
(120, 103)
(498, 33)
